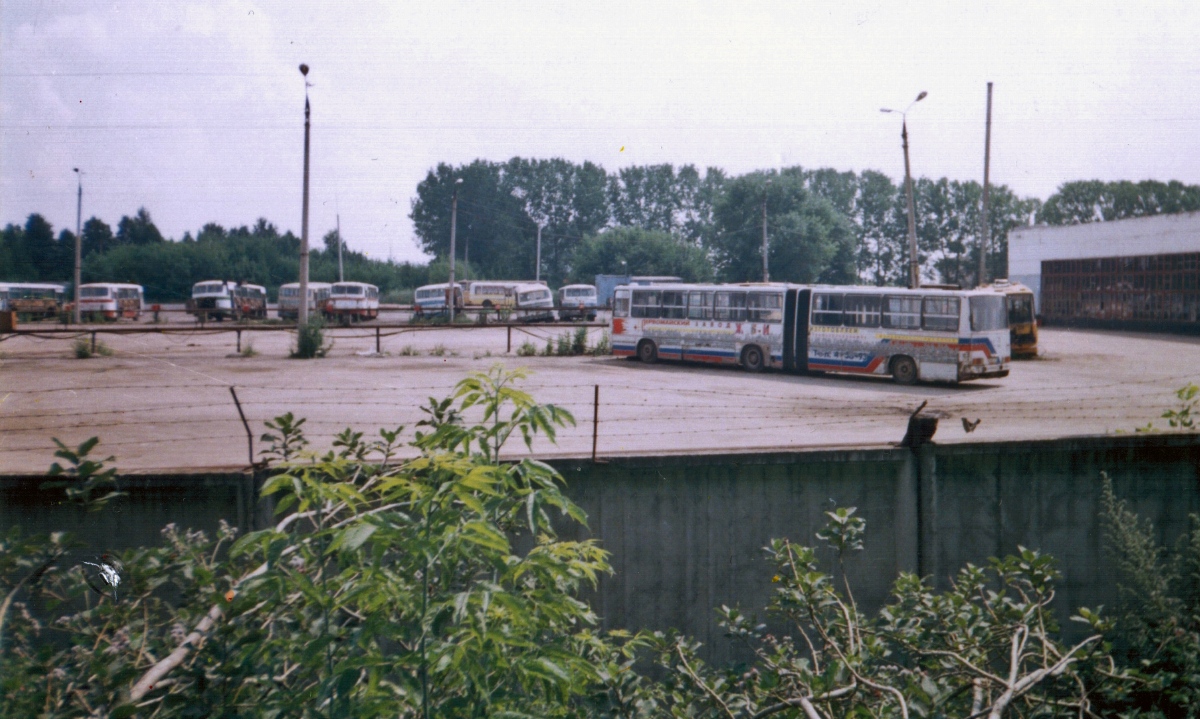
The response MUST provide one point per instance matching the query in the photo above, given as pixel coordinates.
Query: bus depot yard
(162, 402)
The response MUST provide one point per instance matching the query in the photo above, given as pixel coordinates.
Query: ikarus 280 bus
(922, 334)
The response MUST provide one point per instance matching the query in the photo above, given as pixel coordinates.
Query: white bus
(39, 300)
(920, 334)
(536, 300)
(289, 299)
(218, 299)
(577, 302)
(350, 301)
(432, 298)
(110, 300)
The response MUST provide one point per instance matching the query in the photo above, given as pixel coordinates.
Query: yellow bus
(1022, 320)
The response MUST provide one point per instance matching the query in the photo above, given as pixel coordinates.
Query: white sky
(195, 110)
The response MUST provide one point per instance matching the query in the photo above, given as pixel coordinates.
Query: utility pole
(341, 276)
(302, 315)
(78, 244)
(766, 269)
(537, 270)
(453, 227)
(985, 230)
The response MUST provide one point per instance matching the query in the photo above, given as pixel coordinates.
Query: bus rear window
(93, 292)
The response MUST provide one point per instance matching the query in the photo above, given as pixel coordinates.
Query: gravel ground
(162, 402)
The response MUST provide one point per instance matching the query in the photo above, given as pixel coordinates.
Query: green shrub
(409, 351)
(562, 346)
(439, 350)
(604, 346)
(310, 340)
(579, 341)
(527, 349)
(82, 349)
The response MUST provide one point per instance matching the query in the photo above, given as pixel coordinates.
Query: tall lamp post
(78, 243)
(453, 227)
(302, 314)
(914, 264)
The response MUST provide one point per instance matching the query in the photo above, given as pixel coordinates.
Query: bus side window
(674, 305)
(730, 306)
(645, 304)
(827, 310)
(902, 312)
(941, 313)
(861, 311)
(621, 304)
(764, 307)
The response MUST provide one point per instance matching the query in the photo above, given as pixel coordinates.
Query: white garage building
(1137, 273)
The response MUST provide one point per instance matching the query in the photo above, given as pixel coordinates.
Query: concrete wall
(686, 533)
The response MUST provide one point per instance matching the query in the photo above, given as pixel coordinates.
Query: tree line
(823, 225)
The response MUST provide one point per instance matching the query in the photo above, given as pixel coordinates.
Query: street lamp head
(886, 109)
(75, 169)
(458, 181)
(921, 96)
(304, 69)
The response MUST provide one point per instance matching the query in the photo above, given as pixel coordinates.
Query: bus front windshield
(1020, 309)
(988, 313)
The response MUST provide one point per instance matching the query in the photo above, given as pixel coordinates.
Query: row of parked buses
(923, 334)
(97, 300)
(534, 299)
(342, 301)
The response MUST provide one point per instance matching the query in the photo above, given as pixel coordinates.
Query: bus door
(795, 330)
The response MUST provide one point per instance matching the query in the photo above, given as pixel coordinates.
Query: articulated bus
(1022, 324)
(36, 300)
(352, 301)
(110, 300)
(918, 334)
(289, 299)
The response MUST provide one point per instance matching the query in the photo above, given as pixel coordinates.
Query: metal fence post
(377, 350)
(595, 420)
(509, 340)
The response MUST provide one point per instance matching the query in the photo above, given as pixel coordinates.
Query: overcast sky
(195, 110)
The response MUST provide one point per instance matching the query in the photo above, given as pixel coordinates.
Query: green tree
(631, 250)
(808, 239)
(97, 237)
(138, 230)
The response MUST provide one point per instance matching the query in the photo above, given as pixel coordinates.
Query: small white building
(1028, 247)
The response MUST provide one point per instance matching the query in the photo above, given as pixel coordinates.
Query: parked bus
(1022, 322)
(432, 298)
(217, 299)
(351, 301)
(919, 334)
(289, 299)
(110, 301)
(35, 300)
(536, 300)
(489, 294)
(577, 302)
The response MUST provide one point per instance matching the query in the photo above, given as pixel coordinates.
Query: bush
(579, 341)
(604, 346)
(439, 350)
(409, 351)
(82, 349)
(310, 340)
(527, 349)
(562, 346)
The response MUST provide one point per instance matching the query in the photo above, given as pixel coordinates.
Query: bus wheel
(752, 359)
(647, 352)
(904, 370)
